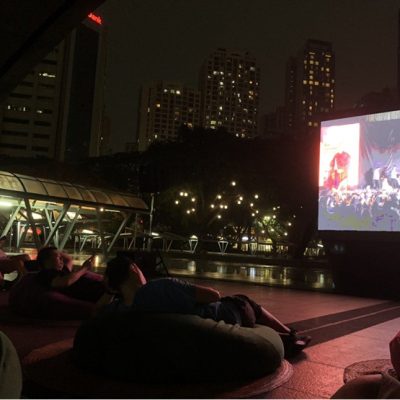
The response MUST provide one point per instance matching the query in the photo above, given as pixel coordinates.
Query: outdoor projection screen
(359, 174)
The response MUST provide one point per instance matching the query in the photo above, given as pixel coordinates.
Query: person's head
(122, 272)
(50, 258)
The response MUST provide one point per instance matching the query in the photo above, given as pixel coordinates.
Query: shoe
(294, 343)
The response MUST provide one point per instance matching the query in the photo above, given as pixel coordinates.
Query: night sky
(169, 39)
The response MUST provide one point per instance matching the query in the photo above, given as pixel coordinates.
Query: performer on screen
(376, 178)
(338, 171)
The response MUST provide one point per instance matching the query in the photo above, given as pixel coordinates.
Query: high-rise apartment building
(57, 110)
(164, 107)
(310, 85)
(230, 87)
(290, 92)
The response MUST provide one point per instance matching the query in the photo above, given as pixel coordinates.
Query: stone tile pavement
(318, 372)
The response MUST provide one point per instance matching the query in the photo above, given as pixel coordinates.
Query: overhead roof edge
(51, 190)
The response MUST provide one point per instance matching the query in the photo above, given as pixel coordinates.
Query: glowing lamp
(5, 204)
(95, 18)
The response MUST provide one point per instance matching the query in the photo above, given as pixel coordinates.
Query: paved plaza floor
(345, 330)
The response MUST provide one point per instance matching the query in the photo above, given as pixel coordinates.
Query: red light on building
(95, 18)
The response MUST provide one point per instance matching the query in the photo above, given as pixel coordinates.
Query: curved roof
(46, 189)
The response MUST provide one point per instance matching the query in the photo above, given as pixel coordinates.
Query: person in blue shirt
(127, 287)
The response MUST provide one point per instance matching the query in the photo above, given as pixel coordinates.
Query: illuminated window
(158, 105)
(178, 92)
(304, 82)
(47, 75)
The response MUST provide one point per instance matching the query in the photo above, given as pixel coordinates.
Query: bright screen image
(359, 173)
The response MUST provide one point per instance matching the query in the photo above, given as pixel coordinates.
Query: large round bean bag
(10, 370)
(29, 298)
(145, 347)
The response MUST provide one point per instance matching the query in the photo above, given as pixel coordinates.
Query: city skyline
(169, 40)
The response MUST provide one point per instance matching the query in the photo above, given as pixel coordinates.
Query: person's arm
(72, 277)
(206, 295)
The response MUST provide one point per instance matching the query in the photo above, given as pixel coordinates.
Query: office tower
(57, 110)
(163, 108)
(230, 86)
(310, 85)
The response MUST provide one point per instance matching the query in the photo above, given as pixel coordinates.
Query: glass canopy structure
(44, 212)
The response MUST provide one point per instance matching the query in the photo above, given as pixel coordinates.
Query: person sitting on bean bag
(127, 287)
(56, 272)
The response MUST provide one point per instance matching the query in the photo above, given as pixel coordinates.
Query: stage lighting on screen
(359, 173)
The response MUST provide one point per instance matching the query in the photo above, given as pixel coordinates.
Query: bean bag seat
(50, 372)
(145, 347)
(29, 298)
(10, 370)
